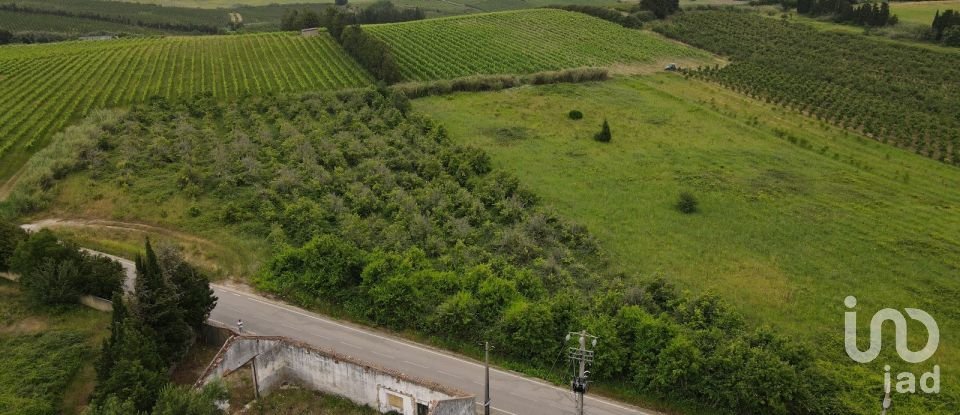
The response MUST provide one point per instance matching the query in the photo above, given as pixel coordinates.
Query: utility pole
(486, 368)
(887, 402)
(580, 356)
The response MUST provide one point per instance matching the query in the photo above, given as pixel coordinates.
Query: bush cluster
(54, 272)
(497, 82)
(376, 212)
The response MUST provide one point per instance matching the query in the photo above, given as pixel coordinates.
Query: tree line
(634, 17)
(847, 11)
(375, 211)
(946, 28)
(382, 11)
(343, 24)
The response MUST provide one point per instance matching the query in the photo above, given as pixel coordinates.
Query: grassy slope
(54, 374)
(785, 232)
(922, 12)
(520, 42)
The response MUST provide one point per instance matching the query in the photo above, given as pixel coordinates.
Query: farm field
(42, 88)
(882, 94)
(795, 214)
(922, 12)
(17, 22)
(47, 364)
(522, 42)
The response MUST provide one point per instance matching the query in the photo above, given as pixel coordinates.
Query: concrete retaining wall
(278, 359)
(93, 302)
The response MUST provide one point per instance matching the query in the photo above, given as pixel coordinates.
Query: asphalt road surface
(510, 393)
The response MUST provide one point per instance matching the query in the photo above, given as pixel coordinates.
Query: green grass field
(922, 12)
(47, 360)
(520, 42)
(42, 88)
(795, 215)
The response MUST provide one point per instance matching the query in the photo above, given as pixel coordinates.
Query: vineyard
(42, 88)
(904, 96)
(518, 42)
(18, 22)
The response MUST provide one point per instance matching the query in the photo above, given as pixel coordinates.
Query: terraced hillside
(43, 87)
(519, 42)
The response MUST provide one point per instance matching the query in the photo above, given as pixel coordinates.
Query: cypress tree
(158, 308)
(604, 134)
(109, 352)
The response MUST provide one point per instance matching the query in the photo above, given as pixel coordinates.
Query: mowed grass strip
(922, 12)
(519, 42)
(42, 88)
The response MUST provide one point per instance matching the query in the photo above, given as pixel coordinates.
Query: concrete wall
(279, 359)
(93, 302)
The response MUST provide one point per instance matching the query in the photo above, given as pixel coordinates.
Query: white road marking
(415, 364)
(382, 354)
(350, 345)
(448, 374)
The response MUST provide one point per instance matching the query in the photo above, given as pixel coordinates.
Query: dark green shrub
(575, 115)
(604, 135)
(10, 236)
(687, 203)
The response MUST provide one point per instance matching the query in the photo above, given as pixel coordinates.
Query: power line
(580, 357)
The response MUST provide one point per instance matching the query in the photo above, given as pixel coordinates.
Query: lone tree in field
(687, 203)
(604, 134)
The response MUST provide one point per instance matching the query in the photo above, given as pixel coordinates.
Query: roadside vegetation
(792, 214)
(46, 352)
(373, 211)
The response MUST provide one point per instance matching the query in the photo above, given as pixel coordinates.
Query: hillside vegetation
(372, 212)
(46, 365)
(794, 215)
(43, 87)
(520, 42)
(901, 95)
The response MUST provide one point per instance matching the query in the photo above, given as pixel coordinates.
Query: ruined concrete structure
(278, 359)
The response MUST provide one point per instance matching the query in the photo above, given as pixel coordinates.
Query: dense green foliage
(374, 211)
(517, 43)
(36, 369)
(10, 236)
(371, 53)
(45, 87)
(151, 332)
(901, 95)
(43, 352)
(632, 20)
(604, 135)
(944, 28)
(866, 14)
(382, 11)
(54, 272)
(478, 83)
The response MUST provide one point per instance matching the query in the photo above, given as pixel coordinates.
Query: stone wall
(278, 359)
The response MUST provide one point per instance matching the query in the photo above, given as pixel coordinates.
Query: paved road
(511, 394)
